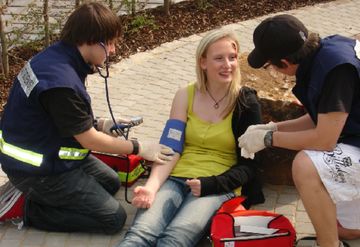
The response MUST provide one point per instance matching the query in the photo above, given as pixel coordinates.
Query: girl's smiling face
(220, 61)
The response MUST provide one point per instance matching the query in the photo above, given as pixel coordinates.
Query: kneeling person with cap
(326, 171)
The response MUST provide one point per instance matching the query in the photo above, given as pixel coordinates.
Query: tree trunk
(133, 7)
(4, 47)
(167, 7)
(46, 22)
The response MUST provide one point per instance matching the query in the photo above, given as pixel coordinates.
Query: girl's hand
(143, 197)
(195, 186)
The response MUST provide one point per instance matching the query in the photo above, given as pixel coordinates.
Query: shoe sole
(9, 191)
(311, 242)
(10, 202)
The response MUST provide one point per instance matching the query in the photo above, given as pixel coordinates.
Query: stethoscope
(106, 76)
(116, 127)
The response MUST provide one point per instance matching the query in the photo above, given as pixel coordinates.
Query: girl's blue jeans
(176, 218)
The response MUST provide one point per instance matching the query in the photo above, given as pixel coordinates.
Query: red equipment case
(120, 164)
(234, 226)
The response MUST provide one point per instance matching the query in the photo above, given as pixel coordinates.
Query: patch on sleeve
(174, 134)
(27, 79)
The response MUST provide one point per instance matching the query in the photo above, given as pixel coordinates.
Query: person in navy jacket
(48, 130)
(326, 171)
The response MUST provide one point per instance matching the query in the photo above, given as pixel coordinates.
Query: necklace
(216, 102)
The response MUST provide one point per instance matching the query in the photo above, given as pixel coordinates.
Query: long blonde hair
(201, 51)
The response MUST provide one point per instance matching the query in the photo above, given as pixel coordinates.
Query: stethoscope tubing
(106, 76)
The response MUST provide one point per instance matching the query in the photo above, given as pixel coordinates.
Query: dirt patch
(269, 83)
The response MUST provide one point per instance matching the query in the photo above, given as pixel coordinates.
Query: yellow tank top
(209, 147)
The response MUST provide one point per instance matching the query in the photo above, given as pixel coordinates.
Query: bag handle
(232, 205)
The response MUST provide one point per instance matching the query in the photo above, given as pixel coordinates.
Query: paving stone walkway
(145, 84)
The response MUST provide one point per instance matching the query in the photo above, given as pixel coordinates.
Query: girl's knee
(140, 235)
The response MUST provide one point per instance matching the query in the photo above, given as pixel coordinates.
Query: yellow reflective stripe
(66, 153)
(21, 154)
(133, 175)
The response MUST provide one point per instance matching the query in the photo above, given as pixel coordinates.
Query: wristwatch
(95, 123)
(268, 139)
(135, 144)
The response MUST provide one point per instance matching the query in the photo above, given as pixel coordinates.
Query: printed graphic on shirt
(337, 163)
(27, 79)
(339, 171)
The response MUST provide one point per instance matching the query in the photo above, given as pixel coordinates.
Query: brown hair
(91, 23)
(309, 47)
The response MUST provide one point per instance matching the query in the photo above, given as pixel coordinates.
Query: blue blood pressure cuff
(173, 135)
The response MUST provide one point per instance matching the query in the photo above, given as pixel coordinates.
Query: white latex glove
(153, 151)
(246, 154)
(269, 126)
(357, 49)
(104, 125)
(252, 141)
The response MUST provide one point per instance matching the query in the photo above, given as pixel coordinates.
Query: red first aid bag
(234, 226)
(129, 166)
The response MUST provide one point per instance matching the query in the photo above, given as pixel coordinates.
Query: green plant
(202, 4)
(130, 6)
(34, 25)
(141, 21)
(29, 23)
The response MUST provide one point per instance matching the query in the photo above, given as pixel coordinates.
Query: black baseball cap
(275, 38)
